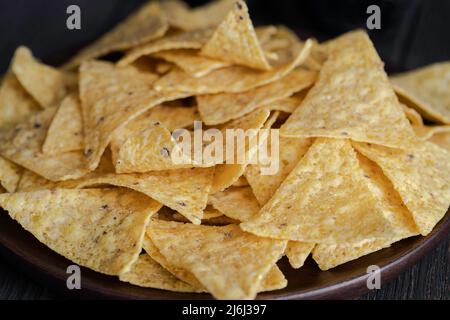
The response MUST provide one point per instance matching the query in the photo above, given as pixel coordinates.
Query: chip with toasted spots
(228, 262)
(101, 229)
(66, 130)
(297, 252)
(371, 113)
(238, 203)
(235, 40)
(10, 174)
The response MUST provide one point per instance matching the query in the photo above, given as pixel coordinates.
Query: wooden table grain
(427, 279)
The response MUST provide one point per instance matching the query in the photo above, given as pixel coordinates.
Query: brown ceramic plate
(345, 281)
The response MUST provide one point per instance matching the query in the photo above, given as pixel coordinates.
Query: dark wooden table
(428, 279)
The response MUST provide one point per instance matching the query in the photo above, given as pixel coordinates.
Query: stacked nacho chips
(86, 166)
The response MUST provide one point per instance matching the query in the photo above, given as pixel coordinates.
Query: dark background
(413, 33)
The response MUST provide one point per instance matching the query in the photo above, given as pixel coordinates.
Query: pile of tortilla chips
(85, 166)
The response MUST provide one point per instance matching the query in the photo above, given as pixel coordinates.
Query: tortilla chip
(297, 252)
(419, 175)
(47, 85)
(15, 103)
(427, 132)
(352, 99)
(227, 174)
(22, 145)
(151, 150)
(10, 174)
(146, 24)
(171, 117)
(235, 40)
(110, 97)
(234, 78)
(66, 130)
(264, 186)
(274, 280)
(163, 67)
(194, 39)
(148, 273)
(101, 229)
(237, 203)
(323, 200)
(227, 261)
(413, 116)
(330, 256)
(427, 89)
(223, 107)
(179, 15)
(191, 62)
(183, 190)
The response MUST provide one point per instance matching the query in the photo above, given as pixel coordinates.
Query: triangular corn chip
(66, 130)
(148, 273)
(45, 84)
(222, 107)
(179, 15)
(330, 256)
(191, 62)
(287, 105)
(291, 150)
(227, 174)
(297, 252)
(235, 40)
(146, 24)
(238, 203)
(110, 97)
(15, 103)
(171, 117)
(234, 78)
(22, 144)
(427, 89)
(183, 190)
(352, 99)
(427, 132)
(101, 229)
(227, 261)
(10, 174)
(241, 182)
(442, 138)
(194, 39)
(420, 175)
(151, 150)
(323, 200)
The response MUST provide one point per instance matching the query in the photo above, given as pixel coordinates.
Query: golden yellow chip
(101, 229)
(15, 103)
(194, 39)
(241, 182)
(420, 176)
(191, 62)
(235, 40)
(442, 138)
(179, 15)
(22, 144)
(427, 90)
(291, 150)
(330, 256)
(352, 99)
(234, 78)
(148, 273)
(287, 105)
(427, 132)
(227, 174)
(110, 97)
(238, 203)
(323, 200)
(223, 107)
(147, 24)
(45, 84)
(66, 130)
(10, 174)
(297, 253)
(228, 262)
